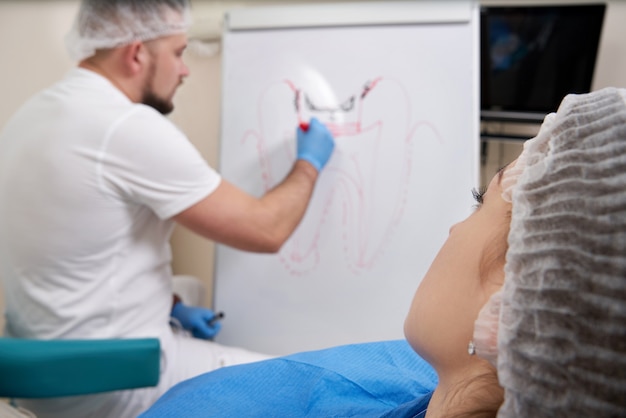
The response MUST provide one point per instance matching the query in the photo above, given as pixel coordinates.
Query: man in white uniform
(93, 178)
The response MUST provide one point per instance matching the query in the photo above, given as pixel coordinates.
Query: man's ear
(134, 57)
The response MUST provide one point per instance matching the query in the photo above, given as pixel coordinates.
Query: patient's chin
(411, 333)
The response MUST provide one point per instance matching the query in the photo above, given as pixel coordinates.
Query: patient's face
(464, 274)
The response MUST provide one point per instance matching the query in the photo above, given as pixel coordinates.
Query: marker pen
(216, 318)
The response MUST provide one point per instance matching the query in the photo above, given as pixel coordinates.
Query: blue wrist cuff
(311, 160)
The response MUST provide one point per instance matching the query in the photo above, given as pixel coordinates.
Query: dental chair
(52, 368)
(55, 368)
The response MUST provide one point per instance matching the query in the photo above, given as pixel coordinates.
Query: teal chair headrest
(51, 368)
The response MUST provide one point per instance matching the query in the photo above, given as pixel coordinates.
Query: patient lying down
(521, 314)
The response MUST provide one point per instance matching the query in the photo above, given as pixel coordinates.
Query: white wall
(33, 56)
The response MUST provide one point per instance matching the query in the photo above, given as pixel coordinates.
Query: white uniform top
(88, 184)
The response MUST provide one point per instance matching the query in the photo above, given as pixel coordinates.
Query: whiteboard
(399, 91)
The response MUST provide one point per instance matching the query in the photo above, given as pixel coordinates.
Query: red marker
(304, 126)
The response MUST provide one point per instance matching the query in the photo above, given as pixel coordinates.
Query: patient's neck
(471, 392)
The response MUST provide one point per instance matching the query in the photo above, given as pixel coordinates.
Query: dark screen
(531, 57)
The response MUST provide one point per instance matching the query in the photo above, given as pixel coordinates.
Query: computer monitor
(532, 56)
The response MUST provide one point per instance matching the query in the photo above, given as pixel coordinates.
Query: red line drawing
(372, 163)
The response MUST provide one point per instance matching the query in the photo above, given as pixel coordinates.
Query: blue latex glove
(316, 144)
(197, 320)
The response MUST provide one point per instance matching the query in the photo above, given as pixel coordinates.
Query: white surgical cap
(562, 315)
(485, 338)
(104, 24)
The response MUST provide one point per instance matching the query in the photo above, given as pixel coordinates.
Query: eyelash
(478, 194)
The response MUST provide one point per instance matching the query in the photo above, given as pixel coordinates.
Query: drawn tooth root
(352, 193)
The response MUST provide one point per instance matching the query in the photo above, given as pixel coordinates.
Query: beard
(162, 106)
(150, 98)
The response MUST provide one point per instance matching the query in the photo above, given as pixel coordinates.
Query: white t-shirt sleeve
(147, 159)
